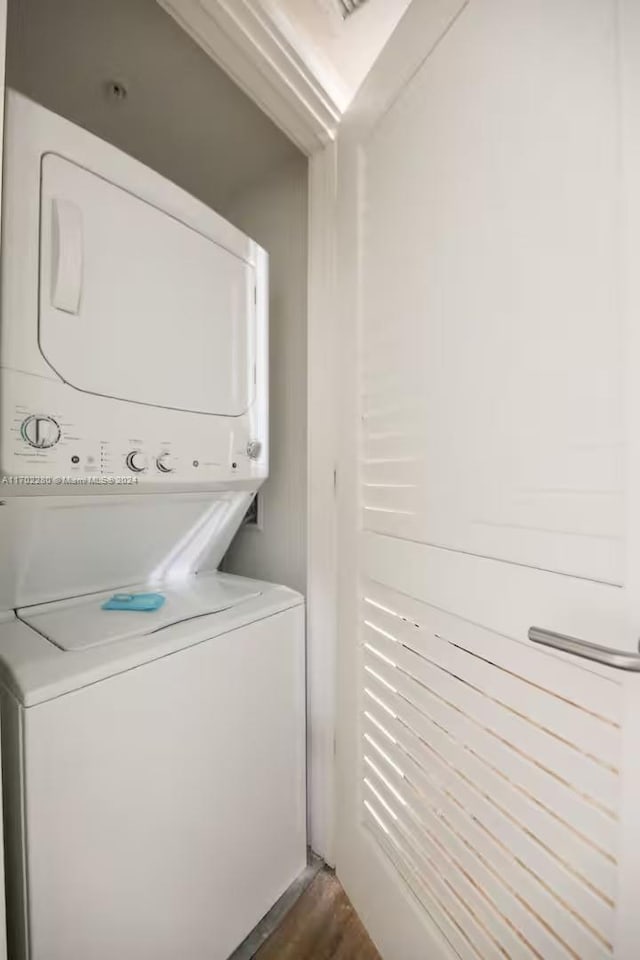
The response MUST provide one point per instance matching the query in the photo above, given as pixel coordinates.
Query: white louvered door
(489, 249)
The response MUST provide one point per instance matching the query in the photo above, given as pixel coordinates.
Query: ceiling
(183, 116)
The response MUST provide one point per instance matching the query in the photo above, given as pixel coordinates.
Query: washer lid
(79, 623)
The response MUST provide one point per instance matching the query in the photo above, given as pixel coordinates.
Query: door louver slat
(490, 784)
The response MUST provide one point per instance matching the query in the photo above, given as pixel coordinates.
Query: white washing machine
(153, 761)
(154, 771)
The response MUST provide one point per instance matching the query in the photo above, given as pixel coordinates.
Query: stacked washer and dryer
(153, 761)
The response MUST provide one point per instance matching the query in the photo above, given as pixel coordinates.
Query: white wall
(275, 214)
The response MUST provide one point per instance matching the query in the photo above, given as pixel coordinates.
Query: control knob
(136, 461)
(163, 462)
(40, 432)
(254, 449)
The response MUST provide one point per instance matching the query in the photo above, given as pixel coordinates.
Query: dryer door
(135, 304)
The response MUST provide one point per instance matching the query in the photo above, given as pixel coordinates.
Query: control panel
(121, 442)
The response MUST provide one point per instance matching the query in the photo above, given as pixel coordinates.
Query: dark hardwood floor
(321, 926)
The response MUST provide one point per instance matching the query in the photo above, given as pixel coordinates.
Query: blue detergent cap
(134, 601)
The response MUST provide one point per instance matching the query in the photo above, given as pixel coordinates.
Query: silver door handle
(620, 659)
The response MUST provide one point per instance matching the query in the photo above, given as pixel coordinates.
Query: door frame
(3, 50)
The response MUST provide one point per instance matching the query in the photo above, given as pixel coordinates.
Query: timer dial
(136, 461)
(40, 432)
(254, 449)
(163, 462)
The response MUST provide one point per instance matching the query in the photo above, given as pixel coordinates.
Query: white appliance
(153, 762)
(134, 321)
(133, 361)
(154, 771)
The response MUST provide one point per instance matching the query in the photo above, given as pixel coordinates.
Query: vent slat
(589, 733)
(425, 710)
(446, 675)
(594, 694)
(594, 557)
(347, 7)
(379, 417)
(426, 862)
(381, 469)
(517, 931)
(432, 783)
(424, 831)
(541, 918)
(388, 444)
(492, 783)
(423, 879)
(590, 866)
(384, 496)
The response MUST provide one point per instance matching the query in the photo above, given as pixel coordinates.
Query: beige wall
(275, 214)
(183, 116)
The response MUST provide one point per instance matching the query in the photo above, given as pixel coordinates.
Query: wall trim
(247, 42)
(322, 425)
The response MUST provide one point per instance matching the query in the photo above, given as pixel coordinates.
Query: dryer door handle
(66, 259)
